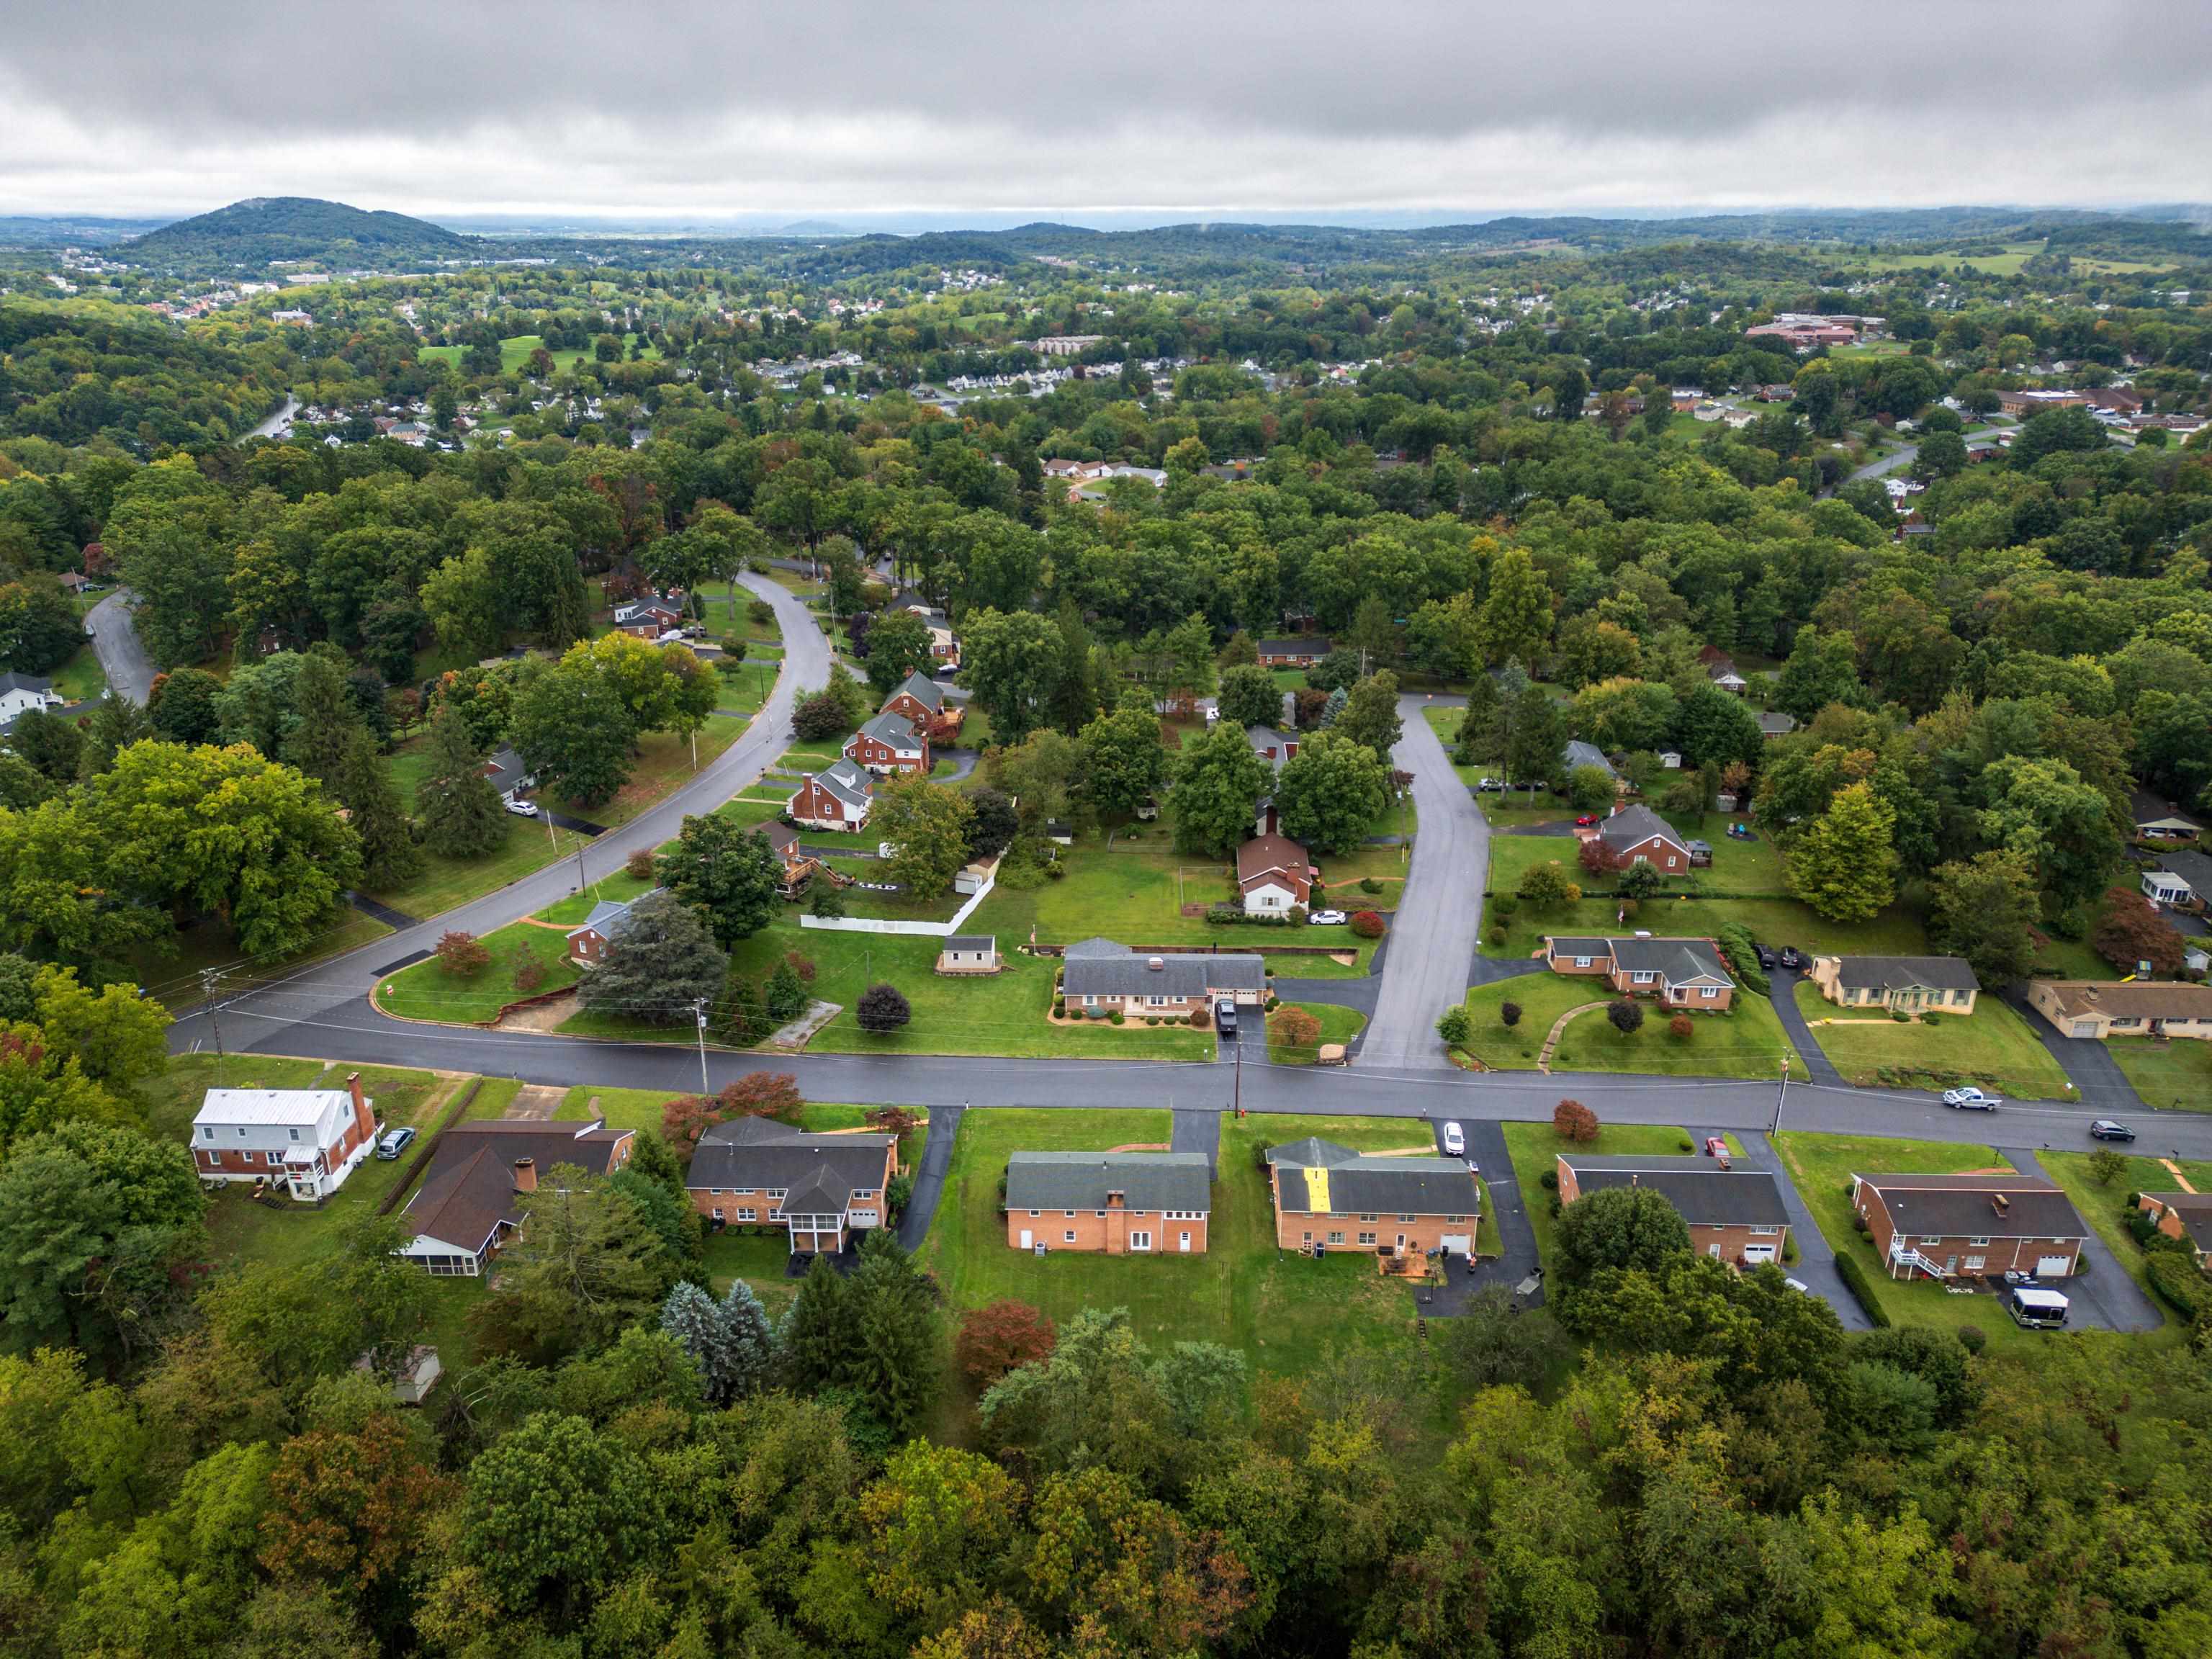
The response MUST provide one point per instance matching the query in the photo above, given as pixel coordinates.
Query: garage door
(2053, 1266)
(1455, 1242)
(2085, 1028)
(1755, 1254)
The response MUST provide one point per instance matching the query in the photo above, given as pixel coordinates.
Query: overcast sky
(1165, 109)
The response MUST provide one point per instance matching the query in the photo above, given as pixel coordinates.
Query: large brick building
(1109, 1203)
(1954, 1226)
(1329, 1197)
(309, 1139)
(822, 1190)
(1735, 1214)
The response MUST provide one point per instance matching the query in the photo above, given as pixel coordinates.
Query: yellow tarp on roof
(1316, 1191)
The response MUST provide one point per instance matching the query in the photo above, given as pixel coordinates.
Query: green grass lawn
(1992, 1047)
(427, 990)
(1739, 869)
(1535, 1149)
(173, 976)
(616, 886)
(1337, 1024)
(2101, 1206)
(1747, 1042)
(515, 353)
(2176, 1074)
(1285, 1313)
(82, 680)
(1777, 922)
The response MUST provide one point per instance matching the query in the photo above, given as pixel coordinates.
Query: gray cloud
(1161, 106)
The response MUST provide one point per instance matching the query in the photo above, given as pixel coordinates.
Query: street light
(1775, 1127)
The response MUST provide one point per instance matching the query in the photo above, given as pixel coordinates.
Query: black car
(1790, 959)
(2105, 1128)
(1765, 955)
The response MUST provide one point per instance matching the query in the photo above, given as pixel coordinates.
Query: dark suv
(2105, 1128)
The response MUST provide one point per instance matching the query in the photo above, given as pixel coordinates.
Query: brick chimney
(525, 1174)
(364, 1119)
(1115, 1200)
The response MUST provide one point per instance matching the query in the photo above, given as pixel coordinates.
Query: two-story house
(1636, 835)
(308, 1140)
(890, 742)
(1329, 1197)
(840, 798)
(1273, 876)
(823, 1190)
(1734, 1213)
(1950, 1226)
(1109, 1203)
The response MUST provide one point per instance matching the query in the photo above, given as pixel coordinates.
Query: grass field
(82, 680)
(1740, 868)
(1775, 921)
(427, 990)
(515, 353)
(1337, 1024)
(1535, 1149)
(2176, 1074)
(2102, 1206)
(1748, 1042)
(1992, 1047)
(1285, 1313)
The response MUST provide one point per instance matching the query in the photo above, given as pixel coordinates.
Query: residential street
(115, 641)
(1439, 913)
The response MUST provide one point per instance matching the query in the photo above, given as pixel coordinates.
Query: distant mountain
(299, 228)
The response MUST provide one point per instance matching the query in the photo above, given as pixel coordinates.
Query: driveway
(1816, 1258)
(1440, 912)
(1784, 981)
(1197, 1130)
(2105, 1295)
(2098, 1080)
(115, 641)
(929, 1178)
(1486, 1148)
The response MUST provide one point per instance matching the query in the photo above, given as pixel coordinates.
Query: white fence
(912, 929)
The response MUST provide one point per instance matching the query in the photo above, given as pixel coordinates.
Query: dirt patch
(546, 1016)
(1143, 1147)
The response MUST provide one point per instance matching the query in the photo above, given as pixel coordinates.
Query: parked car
(1716, 1146)
(2105, 1128)
(1488, 786)
(1790, 959)
(1970, 1100)
(1454, 1140)
(1225, 1014)
(394, 1142)
(1765, 955)
(1327, 919)
(523, 809)
(1585, 820)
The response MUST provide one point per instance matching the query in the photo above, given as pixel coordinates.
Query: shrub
(1298, 915)
(1369, 885)
(1504, 905)
(2106, 1166)
(1495, 933)
(1684, 1146)
(882, 1008)
(761, 611)
(1625, 1015)
(1972, 1337)
(529, 975)
(1574, 1121)
(802, 966)
(1056, 871)
(1861, 1225)
(1680, 1028)
(1546, 887)
(1509, 1014)
(462, 953)
(1114, 1018)
(828, 903)
(1549, 1180)
(1366, 923)
(1293, 1027)
(2175, 1277)
(1202, 1019)
(1455, 1025)
(1855, 1278)
(997, 1339)
(638, 866)
(1151, 1019)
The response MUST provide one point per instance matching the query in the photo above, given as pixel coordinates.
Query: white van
(2034, 1306)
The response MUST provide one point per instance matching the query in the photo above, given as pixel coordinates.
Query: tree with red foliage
(999, 1338)
(1679, 1027)
(2130, 933)
(1574, 1121)
(1366, 924)
(351, 1509)
(757, 1094)
(891, 1120)
(1597, 858)
(462, 953)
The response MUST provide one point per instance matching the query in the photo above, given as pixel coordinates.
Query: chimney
(525, 1174)
(363, 1118)
(1113, 1201)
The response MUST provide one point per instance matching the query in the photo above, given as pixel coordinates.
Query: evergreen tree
(1074, 699)
(895, 1361)
(1333, 710)
(1478, 728)
(317, 743)
(751, 1339)
(388, 853)
(1535, 736)
(694, 1320)
(744, 1016)
(460, 811)
(819, 1342)
(113, 727)
(661, 962)
(784, 995)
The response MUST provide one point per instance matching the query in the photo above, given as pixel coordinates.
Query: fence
(453, 1114)
(912, 929)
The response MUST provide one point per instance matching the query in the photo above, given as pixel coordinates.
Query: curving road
(1439, 914)
(316, 992)
(115, 641)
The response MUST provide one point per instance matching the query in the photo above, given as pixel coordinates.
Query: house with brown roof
(1734, 1215)
(2099, 1010)
(823, 1190)
(1682, 972)
(1273, 876)
(2184, 1216)
(1964, 1226)
(1909, 985)
(471, 1198)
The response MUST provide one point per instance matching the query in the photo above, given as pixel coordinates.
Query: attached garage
(2053, 1266)
(1753, 1254)
(1457, 1243)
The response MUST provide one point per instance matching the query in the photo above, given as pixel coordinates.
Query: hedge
(2174, 1276)
(1855, 1276)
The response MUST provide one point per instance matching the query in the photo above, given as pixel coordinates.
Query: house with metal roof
(1970, 1225)
(307, 1141)
(1908, 985)
(1329, 1197)
(1109, 1203)
(1734, 1213)
(1099, 977)
(823, 1190)
(482, 1173)
(1682, 972)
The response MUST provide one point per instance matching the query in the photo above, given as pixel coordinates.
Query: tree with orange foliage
(999, 1337)
(1574, 1121)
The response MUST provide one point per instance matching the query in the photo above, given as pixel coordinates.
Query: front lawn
(1286, 1313)
(1535, 1149)
(614, 887)
(2101, 1206)
(1747, 1042)
(2176, 1074)
(1992, 1047)
(1777, 922)
(427, 990)
(1337, 1024)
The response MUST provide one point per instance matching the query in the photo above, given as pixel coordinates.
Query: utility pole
(210, 978)
(580, 882)
(1237, 1099)
(1776, 1125)
(699, 1010)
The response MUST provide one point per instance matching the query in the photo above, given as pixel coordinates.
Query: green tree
(898, 646)
(1249, 696)
(1534, 736)
(388, 853)
(554, 1512)
(927, 825)
(459, 810)
(662, 961)
(895, 1364)
(1122, 763)
(572, 730)
(1619, 1228)
(1985, 909)
(785, 995)
(1370, 714)
(1716, 728)
(1517, 617)
(2043, 809)
(183, 706)
(819, 1338)
(1548, 886)
(1331, 791)
(1820, 669)
(727, 869)
(1218, 781)
(117, 1033)
(325, 719)
(1013, 665)
(585, 1264)
(1844, 864)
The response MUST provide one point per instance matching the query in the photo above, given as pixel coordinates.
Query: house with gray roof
(822, 1190)
(1773, 723)
(1329, 1197)
(890, 742)
(1969, 1224)
(1099, 977)
(919, 698)
(2182, 881)
(1734, 1213)
(608, 921)
(507, 775)
(1636, 835)
(2160, 820)
(21, 693)
(840, 798)
(1578, 753)
(969, 953)
(1682, 972)
(1109, 1203)
(1907, 985)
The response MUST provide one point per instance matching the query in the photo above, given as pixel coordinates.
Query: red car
(1585, 821)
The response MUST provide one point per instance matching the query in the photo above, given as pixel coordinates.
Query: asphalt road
(335, 990)
(1439, 912)
(1909, 453)
(115, 641)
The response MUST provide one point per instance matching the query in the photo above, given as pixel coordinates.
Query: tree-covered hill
(288, 228)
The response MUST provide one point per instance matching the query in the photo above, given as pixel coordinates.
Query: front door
(1027, 1241)
(1184, 1246)
(1401, 1243)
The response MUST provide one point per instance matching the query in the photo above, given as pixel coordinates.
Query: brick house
(1099, 974)
(921, 701)
(471, 1197)
(1736, 1215)
(800, 865)
(589, 942)
(1950, 1226)
(2096, 1010)
(1682, 972)
(822, 1189)
(309, 1139)
(1909, 985)
(2184, 1216)
(648, 618)
(1636, 835)
(1329, 1197)
(1109, 1203)
(1273, 875)
(888, 743)
(1293, 653)
(837, 799)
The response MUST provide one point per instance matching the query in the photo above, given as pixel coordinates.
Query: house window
(1091, 1002)
(207, 1131)
(718, 1214)
(1097, 1215)
(1034, 1215)
(1765, 1232)
(1643, 979)
(1405, 1217)
(1068, 1238)
(1367, 1238)
(1977, 1241)
(1709, 992)
(1974, 1264)
(1367, 1218)
(746, 1215)
(1453, 1221)
(1336, 1237)
(1306, 1237)
(1070, 1214)
(1582, 962)
(241, 1132)
(1639, 859)
(275, 1158)
(1140, 1241)
(293, 1133)
(1927, 1242)
(778, 1192)
(1670, 863)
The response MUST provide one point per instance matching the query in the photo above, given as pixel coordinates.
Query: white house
(311, 1140)
(21, 693)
